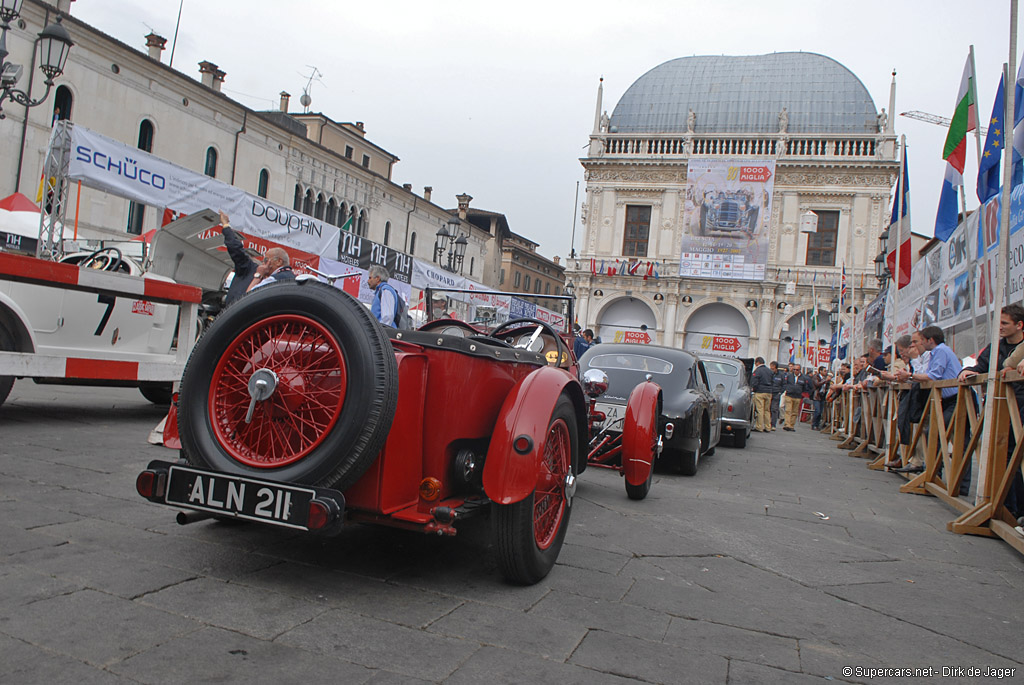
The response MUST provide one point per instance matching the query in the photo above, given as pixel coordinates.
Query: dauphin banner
(108, 165)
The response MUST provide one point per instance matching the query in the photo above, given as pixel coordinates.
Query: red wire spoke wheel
(324, 376)
(529, 533)
(549, 501)
(305, 404)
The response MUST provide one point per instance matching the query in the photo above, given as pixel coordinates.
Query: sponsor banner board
(111, 166)
(727, 210)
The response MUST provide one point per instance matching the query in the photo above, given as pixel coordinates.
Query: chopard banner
(108, 165)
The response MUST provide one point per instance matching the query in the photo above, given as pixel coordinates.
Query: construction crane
(935, 119)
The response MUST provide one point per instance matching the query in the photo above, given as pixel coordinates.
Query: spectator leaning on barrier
(797, 384)
(943, 365)
(874, 354)
(1011, 335)
(778, 383)
(761, 384)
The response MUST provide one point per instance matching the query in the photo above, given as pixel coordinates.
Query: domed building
(724, 197)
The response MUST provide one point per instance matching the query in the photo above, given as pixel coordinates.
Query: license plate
(252, 499)
(613, 412)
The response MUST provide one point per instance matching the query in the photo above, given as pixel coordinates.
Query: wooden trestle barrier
(950, 449)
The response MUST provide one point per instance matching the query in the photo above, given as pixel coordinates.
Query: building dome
(746, 95)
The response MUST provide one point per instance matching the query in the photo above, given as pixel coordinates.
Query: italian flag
(965, 118)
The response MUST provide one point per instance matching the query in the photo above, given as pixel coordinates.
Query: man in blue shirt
(943, 365)
(386, 302)
(583, 342)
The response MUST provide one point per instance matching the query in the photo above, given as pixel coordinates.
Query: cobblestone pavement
(729, 576)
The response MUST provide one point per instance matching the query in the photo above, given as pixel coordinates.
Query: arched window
(342, 215)
(332, 212)
(387, 232)
(297, 204)
(62, 103)
(211, 162)
(547, 288)
(137, 211)
(318, 209)
(412, 243)
(307, 202)
(264, 184)
(361, 230)
(146, 135)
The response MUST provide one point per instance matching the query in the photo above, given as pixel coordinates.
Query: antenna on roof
(306, 100)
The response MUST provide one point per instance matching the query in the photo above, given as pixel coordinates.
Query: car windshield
(632, 362)
(486, 310)
(721, 368)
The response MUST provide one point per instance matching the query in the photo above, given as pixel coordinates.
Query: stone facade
(112, 88)
(852, 174)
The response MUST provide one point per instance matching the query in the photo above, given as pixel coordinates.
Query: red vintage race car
(298, 409)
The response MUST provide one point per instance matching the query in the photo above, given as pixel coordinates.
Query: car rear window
(721, 368)
(633, 362)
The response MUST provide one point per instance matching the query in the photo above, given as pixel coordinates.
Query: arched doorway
(818, 335)
(717, 329)
(627, 320)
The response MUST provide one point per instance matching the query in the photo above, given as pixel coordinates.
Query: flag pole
(1002, 255)
(973, 264)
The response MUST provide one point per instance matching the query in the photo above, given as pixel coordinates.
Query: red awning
(18, 203)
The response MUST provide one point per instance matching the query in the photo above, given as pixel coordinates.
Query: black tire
(6, 382)
(521, 558)
(640, 491)
(688, 461)
(157, 393)
(327, 343)
(739, 439)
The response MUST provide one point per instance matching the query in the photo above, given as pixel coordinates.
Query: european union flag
(988, 170)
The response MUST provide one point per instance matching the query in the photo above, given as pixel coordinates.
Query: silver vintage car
(730, 381)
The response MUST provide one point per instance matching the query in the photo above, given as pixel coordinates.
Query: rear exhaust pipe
(186, 517)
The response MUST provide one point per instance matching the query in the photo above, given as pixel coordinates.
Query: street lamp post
(881, 269)
(54, 46)
(454, 243)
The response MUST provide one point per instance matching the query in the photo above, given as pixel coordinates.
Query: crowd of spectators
(925, 356)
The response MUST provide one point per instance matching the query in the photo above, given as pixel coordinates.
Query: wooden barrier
(949, 448)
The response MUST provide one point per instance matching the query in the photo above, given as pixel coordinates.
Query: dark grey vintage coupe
(690, 413)
(730, 382)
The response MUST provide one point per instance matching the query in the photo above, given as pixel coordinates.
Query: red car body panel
(510, 476)
(640, 432)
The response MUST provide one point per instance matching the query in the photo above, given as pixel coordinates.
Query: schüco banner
(726, 215)
(108, 165)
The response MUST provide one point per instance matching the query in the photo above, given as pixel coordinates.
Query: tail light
(322, 512)
(670, 428)
(430, 489)
(151, 484)
(730, 407)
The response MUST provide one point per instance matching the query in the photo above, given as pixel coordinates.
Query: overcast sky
(497, 99)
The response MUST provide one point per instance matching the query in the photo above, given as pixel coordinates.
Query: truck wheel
(6, 382)
(530, 533)
(157, 393)
(325, 382)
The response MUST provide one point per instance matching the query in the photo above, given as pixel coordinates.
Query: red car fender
(640, 432)
(510, 475)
